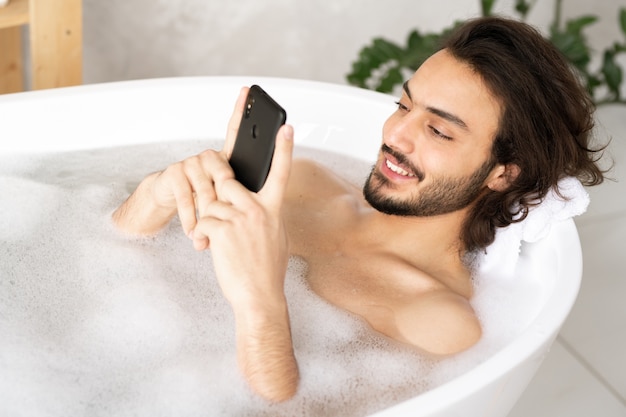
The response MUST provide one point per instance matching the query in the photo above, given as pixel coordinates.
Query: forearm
(265, 351)
(140, 214)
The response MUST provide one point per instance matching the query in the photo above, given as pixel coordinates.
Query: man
(484, 128)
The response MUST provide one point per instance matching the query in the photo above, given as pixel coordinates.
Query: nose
(401, 132)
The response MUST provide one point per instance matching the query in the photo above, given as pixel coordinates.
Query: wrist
(141, 214)
(256, 311)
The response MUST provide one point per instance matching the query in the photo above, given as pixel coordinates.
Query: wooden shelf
(14, 14)
(55, 36)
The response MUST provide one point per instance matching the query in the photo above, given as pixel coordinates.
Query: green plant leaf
(573, 46)
(390, 80)
(578, 24)
(486, 6)
(593, 82)
(419, 49)
(612, 73)
(381, 63)
(372, 58)
(414, 39)
(522, 7)
(386, 50)
(362, 68)
(619, 47)
(360, 73)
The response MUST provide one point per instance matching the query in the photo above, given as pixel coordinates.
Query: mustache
(403, 160)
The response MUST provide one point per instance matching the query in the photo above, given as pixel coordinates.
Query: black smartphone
(254, 147)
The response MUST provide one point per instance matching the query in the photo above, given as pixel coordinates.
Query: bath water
(96, 323)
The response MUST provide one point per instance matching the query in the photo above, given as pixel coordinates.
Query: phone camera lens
(249, 104)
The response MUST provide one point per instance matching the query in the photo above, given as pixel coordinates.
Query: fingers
(272, 193)
(198, 182)
(185, 204)
(234, 199)
(205, 177)
(233, 123)
(217, 212)
(192, 184)
(201, 184)
(274, 189)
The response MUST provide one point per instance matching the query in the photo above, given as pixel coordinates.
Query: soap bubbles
(96, 323)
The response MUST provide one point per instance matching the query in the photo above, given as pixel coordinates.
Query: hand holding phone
(254, 146)
(248, 238)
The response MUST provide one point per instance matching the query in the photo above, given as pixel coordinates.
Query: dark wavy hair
(546, 122)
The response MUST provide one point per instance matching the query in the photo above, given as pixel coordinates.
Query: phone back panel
(253, 150)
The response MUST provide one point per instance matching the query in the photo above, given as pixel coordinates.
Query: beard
(444, 195)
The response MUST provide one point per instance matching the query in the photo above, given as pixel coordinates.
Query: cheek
(437, 163)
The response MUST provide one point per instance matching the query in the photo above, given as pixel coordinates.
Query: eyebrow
(438, 112)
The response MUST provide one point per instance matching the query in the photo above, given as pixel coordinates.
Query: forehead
(446, 83)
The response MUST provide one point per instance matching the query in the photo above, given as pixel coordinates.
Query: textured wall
(314, 39)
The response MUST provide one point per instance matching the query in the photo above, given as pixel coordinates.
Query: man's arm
(186, 187)
(248, 242)
(140, 214)
(265, 351)
(250, 256)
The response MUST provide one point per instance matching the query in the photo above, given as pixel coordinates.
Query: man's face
(436, 151)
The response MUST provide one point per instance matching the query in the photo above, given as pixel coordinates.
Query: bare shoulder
(439, 322)
(311, 180)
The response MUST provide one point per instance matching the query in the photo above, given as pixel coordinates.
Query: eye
(438, 133)
(402, 107)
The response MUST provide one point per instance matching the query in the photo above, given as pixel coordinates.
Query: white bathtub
(337, 118)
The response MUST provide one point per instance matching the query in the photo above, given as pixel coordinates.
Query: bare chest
(345, 269)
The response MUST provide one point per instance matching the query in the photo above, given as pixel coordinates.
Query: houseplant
(383, 64)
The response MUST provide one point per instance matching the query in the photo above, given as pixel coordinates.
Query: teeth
(397, 169)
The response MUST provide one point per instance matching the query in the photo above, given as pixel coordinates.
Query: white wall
(313, 39)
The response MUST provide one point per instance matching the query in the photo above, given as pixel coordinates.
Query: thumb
(274, 189)
(233, 123)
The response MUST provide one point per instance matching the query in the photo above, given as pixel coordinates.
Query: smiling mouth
(399, 164)
(398, 170)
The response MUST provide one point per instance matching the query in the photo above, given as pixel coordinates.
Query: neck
(430, 244)
(424, 239)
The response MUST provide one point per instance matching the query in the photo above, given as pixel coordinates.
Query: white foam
(94, 323)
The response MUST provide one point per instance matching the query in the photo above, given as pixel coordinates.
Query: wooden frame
(55, 34)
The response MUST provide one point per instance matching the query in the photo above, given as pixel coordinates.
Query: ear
(502, 176)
